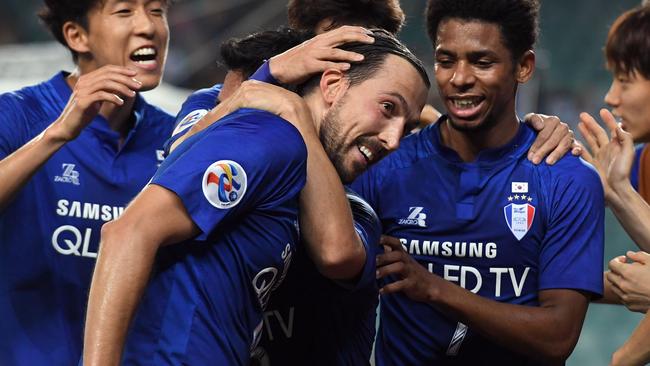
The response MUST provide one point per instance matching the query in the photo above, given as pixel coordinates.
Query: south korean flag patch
(519, 218)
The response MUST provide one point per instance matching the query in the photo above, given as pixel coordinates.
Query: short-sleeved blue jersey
(197, 105)
(500, 227)
(49, 233)
(239, 180)
(312, 320)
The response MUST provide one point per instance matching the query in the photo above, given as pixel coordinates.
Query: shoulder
(29, 105)
(256, 133)
(574, 170)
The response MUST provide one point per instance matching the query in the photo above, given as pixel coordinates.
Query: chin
(465, 125)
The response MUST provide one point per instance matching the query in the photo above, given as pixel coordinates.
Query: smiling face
(130, 33)
(368, 120)
(629, 97)
(476, 76)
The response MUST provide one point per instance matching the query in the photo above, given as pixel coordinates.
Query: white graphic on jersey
(416, 217)
(267, 280)
(160, 156)
(519, 187)
(519, 218)
(457, 339)
(69, 175)
(189, 120)
(224, 184)
(71, 247)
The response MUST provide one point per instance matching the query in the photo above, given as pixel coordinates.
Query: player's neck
(469, 143)
(119, 117)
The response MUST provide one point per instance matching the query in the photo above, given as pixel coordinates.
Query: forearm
(17, 168)
(636, 350)
(121, 273)
(326, 220)
(609, 296)
(632, 212)
(539, 331)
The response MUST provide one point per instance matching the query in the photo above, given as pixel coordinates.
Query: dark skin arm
(549, 331)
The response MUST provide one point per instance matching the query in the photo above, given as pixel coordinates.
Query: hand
(318, 54)
(413, 279)
(109, 84)
(258, 95)
(612, 158)
(553, 140)
(631, 281)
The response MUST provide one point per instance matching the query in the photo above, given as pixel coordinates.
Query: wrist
(269, 72)
(57, 135)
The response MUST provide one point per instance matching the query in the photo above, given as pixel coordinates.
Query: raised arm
(613, 159)
(127, 250)
(549, 331)
(636, 350)
(90, 91)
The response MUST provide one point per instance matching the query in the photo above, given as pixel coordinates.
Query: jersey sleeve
(14, 132)
(636, 167)
(193, 109)
(573, 246)
(367, 225)
(233, 167)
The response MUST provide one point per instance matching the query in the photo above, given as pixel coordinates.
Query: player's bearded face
(341, 149)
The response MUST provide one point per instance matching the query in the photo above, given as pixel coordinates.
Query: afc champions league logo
(224, 184)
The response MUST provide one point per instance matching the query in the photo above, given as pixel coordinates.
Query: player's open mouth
(366, 152)
(465, 106)
(467, 102)
(145, 56)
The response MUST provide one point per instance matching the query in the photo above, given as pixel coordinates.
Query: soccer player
(228, 197)
(624, 172)
(74, 150)
(492, 259)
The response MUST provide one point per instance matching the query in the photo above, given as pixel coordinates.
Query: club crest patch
(519, 218)
(224, 184)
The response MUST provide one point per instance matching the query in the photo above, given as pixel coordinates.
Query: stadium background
(570, 78)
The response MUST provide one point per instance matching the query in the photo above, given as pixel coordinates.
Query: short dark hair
(55, 13)
(385, 14)
(247, 54)
(517, 19)
(374, 56)
(628, 43)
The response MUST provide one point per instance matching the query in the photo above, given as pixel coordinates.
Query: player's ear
(76, 36)
(525, 66)
(333, 85)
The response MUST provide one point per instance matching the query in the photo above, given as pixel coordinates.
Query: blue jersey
(49, 233)
(239, 180)
(500, 227)
(636, 167)
(312, 320)
(197, 105)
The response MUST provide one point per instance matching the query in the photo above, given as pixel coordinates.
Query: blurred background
(570, 78)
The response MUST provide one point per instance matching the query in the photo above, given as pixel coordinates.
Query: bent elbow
(559, 351)
(341, 264)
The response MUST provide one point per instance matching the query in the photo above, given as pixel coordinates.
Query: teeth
(366, 152)
(146, 62)
(147, 51)
(465, 103)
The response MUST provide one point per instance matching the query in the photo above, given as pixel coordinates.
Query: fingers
(345, 34)
(536, 121)
(577, 148)
(390, 257)
(639, 257)
(397, 286)
(391, 242)
(548, 125)
(609, 119)
(617, 265)
(553, 141)
(396, 268)
(594, 134)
